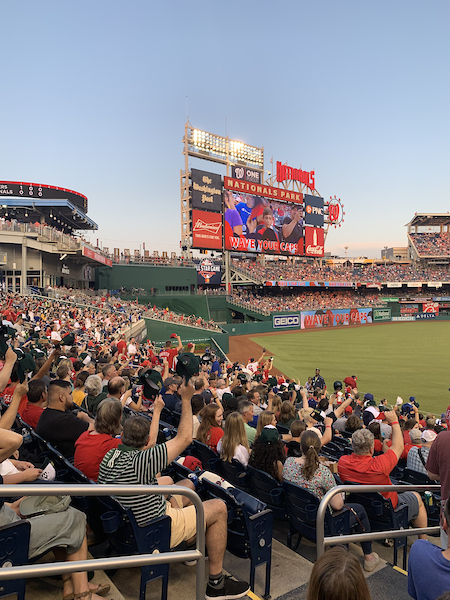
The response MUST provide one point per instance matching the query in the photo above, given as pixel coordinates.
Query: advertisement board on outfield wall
(430, 315)
(314, 319)
(381, 314)
(283, 321)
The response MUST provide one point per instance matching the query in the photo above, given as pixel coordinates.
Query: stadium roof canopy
(59, 213)
(429, 220)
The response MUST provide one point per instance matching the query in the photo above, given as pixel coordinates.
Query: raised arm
(5, 373)
(158, 405)
(7, 420)
(183, 438)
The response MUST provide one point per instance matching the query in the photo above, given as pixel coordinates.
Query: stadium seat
(14, 542)
(205, 455)
(301, 507)
(250, 526)
(235, 473)
(267, 489)
(127, 537)
(383, 517)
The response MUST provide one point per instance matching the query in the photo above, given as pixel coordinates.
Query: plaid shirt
(413, 461)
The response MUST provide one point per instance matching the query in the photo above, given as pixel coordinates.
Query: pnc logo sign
(315, 210)
(286, 321)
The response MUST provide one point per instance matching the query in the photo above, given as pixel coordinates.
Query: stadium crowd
(375, 273)
(133, 309)
(305, 300)
(431, 244)
(101, 400)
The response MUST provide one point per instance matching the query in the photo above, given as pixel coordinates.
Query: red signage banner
(288, 173)
(96, 256)
(242, 244)
(314, 241)
(259, 189)
(206, 230)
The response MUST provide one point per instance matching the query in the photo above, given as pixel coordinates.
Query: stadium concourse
(75, 375)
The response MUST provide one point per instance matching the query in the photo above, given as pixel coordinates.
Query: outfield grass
(390, 360)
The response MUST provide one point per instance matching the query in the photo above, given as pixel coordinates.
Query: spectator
(307, 472)
(337, 575)
(429, 566)
(210, 430)
(268, 453)
(363, 467)
(234, 443)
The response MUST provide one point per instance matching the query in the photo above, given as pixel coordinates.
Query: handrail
(60, 568)
(321, 541)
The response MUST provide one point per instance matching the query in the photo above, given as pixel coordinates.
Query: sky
(95, 94)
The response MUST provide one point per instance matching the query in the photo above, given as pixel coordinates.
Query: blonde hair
(234, 436)
(265, 418)
(276, 404)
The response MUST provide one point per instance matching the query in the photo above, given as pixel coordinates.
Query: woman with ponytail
(308, 472)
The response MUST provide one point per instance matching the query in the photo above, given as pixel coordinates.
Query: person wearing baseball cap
(418, 454)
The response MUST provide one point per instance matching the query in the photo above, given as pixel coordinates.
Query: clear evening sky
(93, 98)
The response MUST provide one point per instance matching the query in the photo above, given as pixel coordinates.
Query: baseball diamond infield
(389, 359)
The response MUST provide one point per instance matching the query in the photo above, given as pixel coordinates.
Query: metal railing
(118, 562)
(323, 541)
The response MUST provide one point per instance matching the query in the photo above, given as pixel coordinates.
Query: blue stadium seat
(268, 490)
(301, 506)
(14, 542)
(250, 527)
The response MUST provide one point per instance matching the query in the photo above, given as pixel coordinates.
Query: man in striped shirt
(135, 462)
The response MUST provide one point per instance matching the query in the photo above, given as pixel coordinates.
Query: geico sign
(286, 321)
(315, 210)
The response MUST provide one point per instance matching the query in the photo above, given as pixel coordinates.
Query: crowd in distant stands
(276, 270)
(133, 309)
(305, 300)
(431, 244)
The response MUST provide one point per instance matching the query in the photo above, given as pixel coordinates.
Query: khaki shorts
(184, 522)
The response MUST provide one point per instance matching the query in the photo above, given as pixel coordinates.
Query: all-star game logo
(207, 269)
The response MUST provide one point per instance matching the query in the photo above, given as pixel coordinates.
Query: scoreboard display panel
(40, 191)
(263, 225)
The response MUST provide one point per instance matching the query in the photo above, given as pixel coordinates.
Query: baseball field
(389, 360)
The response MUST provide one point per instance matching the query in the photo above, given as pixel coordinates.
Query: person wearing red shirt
(362, 467)
(91, 446)
(210, 430)
(122, 346)
(37, 401)
(170, 353)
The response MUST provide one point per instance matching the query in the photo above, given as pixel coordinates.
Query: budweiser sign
(285, 173)
(314, 241)
(206, 229)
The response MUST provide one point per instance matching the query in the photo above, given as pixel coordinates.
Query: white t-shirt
(252, 367)
(131, 349)
(241, 453)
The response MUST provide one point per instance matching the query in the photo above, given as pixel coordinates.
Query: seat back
(267, 489)
(302, 506)
(235, 473)
(414, 477)
(380, 511)
(14, 542)
(204, 455)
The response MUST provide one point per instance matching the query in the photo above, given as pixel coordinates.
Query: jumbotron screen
(258, 224)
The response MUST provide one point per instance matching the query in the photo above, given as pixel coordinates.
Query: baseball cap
(428, 435)
(415, 435)
(187, 365)
(152, 382)
(369, 398)
(173, 335)
(269, 435)
(168, 381)
(348, 410)
(337, 385)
